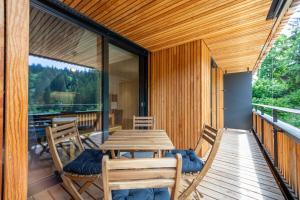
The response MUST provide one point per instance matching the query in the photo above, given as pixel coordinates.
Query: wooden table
(138, 140)
(63, 120)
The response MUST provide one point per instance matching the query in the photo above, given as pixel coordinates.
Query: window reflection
(65, 66)
(123, 88)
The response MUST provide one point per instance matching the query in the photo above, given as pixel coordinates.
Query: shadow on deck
(238, 172)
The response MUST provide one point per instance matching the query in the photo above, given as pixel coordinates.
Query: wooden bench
(141, 173)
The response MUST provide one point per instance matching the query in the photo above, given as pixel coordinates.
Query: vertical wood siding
(214, 109)
(220, 98)
(179, 80)
(16, 99)
(217, 98)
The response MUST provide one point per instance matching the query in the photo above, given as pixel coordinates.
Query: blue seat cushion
(138, 194)
(190, 161)
(89, 162)
(139, 154)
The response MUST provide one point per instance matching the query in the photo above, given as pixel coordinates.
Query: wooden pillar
(1, 88)
(16, 51)
(205, 89)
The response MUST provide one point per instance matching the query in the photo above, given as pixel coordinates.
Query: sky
(57, 64)
(287, 29)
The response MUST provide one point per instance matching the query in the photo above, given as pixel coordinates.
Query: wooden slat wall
(179, 80)
(288, 152)
(220, 98)
(217, 98)
(205, 89)
(214, 121)
(16, 99)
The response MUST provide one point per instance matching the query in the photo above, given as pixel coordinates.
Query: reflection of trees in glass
(278, 81)
(54, 90)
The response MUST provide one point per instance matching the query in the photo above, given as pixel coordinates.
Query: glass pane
(123, 88)
(65, 66)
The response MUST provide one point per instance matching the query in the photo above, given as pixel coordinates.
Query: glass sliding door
(65, 84)
(75, 74)
(123, 88)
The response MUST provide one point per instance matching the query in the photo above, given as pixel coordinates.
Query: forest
(278, 79)
(53, 90)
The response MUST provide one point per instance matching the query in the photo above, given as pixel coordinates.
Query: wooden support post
(275, 131)
(256, 115)
(16, 98)
(2, 53)
(262, 131)
(274, 114)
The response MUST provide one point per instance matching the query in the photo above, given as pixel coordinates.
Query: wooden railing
(85, 120)
(281, 142)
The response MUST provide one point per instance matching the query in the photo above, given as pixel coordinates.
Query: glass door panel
(65, 83)
(123, 88)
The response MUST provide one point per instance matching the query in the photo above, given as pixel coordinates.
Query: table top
(58, 120)
(138, 140)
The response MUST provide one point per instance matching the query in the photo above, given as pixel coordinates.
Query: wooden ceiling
(54, 38)
(57, 39)
(234, 30)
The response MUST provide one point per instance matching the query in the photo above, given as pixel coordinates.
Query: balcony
(238, 172)
(93, 66)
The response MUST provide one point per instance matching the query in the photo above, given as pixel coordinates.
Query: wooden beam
(16, 99)
(1, 88)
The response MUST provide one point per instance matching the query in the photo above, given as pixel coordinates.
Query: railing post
(256, 115)
(274, 114)
(275, 147)
(262, 131)
(262, 111)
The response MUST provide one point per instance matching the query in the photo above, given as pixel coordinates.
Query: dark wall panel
(237, 100)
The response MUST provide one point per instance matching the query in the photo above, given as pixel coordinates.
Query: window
(65, 84)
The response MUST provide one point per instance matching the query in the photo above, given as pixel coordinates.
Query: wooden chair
(141, 173)
(213, 138)
(140, 122)
(63, 139)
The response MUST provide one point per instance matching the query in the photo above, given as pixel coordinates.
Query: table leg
(159, 153)
(113, 155)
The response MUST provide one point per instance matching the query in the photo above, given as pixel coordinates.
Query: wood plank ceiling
(58, 39)
(234, 30)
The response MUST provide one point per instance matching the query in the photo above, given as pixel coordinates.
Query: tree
(279, 76)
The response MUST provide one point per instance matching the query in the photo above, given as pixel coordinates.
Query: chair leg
(85, 186)
(192, 187)
(132, 154)
(69, 185)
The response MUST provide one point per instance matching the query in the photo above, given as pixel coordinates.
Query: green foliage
(278, 81)
(54, 90)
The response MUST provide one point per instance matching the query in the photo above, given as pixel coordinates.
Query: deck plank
(240, 171)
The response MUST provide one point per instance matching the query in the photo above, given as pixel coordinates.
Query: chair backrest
(141, 173)
(208, 134)
(213, 137)
(143, 122)
(66, 137)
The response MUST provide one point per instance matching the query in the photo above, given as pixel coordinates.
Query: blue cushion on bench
(89, 162)
(139, 154)
(190, 161)
(138, 194)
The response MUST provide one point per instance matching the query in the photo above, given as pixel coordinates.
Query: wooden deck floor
(238, 172)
